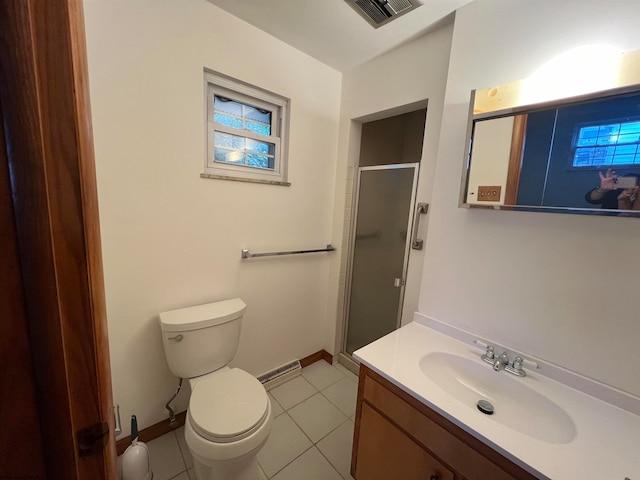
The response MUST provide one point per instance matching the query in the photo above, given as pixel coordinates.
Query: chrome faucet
(501, 362)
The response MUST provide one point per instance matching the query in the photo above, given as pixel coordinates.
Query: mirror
(572, 155)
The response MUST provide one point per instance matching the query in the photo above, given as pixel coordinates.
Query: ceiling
(332, 32)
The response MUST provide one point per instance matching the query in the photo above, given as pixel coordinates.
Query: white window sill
(248, 180)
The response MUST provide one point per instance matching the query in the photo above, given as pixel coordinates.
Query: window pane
(259, 115)
(229, 141)
(241, 116)
(583, 157)
(625, 149)
(227, 120)
(258, 128)
(625, 154)
(260, 161)
(260, 147)
(228, 156)
(243, 151)
(608, 134)
(623, 159)
(224, 105)
(629, 138)
(603, 156)
(632, 127)
(588, 136)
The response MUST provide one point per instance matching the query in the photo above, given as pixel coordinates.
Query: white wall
(409, 75)
(172, 239)
(560, 287)
(490, 158)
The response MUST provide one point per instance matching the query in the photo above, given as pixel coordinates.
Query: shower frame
(344, 355)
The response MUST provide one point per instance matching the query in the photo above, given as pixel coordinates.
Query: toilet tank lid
(201, 316)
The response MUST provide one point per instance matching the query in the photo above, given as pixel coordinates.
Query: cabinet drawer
(387, 453)
(433, 432)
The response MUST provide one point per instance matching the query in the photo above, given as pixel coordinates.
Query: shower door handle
(416, 243)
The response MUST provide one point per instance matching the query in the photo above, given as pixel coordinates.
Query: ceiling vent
(381, 12)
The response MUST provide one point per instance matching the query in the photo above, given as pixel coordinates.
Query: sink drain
(485, 407)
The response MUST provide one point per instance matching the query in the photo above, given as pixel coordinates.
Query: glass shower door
(380, 247)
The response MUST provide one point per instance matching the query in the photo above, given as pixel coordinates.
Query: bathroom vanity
(399, 437)
(416, 417)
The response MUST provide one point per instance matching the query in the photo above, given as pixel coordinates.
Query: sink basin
(516, 405)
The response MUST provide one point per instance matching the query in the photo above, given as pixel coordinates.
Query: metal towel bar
(248, 254)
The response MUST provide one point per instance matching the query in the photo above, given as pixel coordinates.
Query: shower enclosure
(380, 245)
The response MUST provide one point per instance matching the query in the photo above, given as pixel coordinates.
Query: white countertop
(606, 445)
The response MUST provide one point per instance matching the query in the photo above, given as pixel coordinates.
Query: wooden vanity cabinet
(399, 438)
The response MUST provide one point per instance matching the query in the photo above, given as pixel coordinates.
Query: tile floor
(311, 435)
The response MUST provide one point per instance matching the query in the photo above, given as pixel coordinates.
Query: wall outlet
(489, 194)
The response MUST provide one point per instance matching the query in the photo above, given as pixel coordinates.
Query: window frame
(216, 84)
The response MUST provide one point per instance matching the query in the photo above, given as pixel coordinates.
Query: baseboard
(149, 433)
(316, 357)
(161, 428)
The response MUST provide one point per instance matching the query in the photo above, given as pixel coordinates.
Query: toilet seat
(228, 406)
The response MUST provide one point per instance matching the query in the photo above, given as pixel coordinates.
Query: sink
(517, 406)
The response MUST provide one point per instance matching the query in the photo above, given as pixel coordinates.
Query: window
(246, 132)
(613, 143)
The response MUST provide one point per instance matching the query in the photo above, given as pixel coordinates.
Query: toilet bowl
(229, 415)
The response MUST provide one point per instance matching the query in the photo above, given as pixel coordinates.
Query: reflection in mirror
(577, 155)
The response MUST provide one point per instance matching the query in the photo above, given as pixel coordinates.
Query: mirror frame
(502, 103)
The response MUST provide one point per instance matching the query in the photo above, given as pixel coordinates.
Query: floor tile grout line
(327, 386)
(301, 453)
(177, 475)
(300, 426)
(332, 383)
(329, 461)
(313, 444)
(347, 419)
(335, 405)
(298, 403)
(184, 460)
(321, 391)
(293, 459)
(316, 388)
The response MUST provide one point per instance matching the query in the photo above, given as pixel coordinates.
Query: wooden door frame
(515, 158)
(45, 108)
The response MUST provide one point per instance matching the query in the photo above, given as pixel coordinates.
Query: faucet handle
(517, 364)
(490, 354)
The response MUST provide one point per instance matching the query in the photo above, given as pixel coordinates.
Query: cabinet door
(387, 453)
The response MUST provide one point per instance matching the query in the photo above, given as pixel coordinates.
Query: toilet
(229, 414)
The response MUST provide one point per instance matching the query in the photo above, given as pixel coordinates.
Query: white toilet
(229, 414)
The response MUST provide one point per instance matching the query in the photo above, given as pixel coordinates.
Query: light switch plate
(489, 194)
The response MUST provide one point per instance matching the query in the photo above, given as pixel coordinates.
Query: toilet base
(236, 469)
(213, 461)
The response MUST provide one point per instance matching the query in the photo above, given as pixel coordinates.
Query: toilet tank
(201, 339)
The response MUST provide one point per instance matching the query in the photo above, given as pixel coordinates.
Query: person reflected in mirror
(628, 199)
(610, 195)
